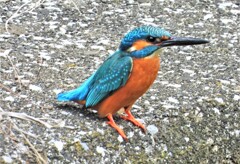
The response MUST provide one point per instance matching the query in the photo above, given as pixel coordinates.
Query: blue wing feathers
(111, 75)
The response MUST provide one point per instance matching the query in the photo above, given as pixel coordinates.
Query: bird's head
(144, 40)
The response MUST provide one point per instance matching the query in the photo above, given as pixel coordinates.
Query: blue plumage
(142, 33)
(137, 57)
(115, 71)
(144, 52)
(112, 74)
(77, 94)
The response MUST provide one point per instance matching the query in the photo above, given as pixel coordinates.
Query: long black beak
(181, 41)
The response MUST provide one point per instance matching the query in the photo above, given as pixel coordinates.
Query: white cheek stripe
(131, 49)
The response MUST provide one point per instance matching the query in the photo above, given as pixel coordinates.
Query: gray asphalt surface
(191, 112)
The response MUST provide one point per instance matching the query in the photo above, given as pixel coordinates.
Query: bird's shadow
(76, 109)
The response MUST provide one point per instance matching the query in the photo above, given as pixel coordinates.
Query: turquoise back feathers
(115, 71)
(111, 75)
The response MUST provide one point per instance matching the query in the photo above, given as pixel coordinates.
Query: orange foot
(131, 118)
(112, 123)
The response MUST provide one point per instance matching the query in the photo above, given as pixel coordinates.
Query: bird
(126, 74)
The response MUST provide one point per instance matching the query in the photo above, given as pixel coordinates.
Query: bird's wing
(112, 75)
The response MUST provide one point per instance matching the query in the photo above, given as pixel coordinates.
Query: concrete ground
(191, 112)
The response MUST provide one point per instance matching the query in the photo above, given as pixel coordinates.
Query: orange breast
(143, 74)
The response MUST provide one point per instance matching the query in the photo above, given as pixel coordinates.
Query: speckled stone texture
(191, 112)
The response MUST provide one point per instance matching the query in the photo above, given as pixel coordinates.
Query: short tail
(73, 95)
(68, 96)
(78, 94)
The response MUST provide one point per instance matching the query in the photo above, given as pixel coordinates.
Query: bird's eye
(151, 39)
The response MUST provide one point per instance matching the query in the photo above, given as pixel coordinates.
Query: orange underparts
(143, 74)
(140, 44)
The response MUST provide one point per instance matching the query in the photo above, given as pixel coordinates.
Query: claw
(131, 118)
(112, 123)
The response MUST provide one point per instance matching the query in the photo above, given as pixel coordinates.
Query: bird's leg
(131, 118)
(112, 123)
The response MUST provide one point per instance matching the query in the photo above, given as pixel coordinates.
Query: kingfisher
(126, 74)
